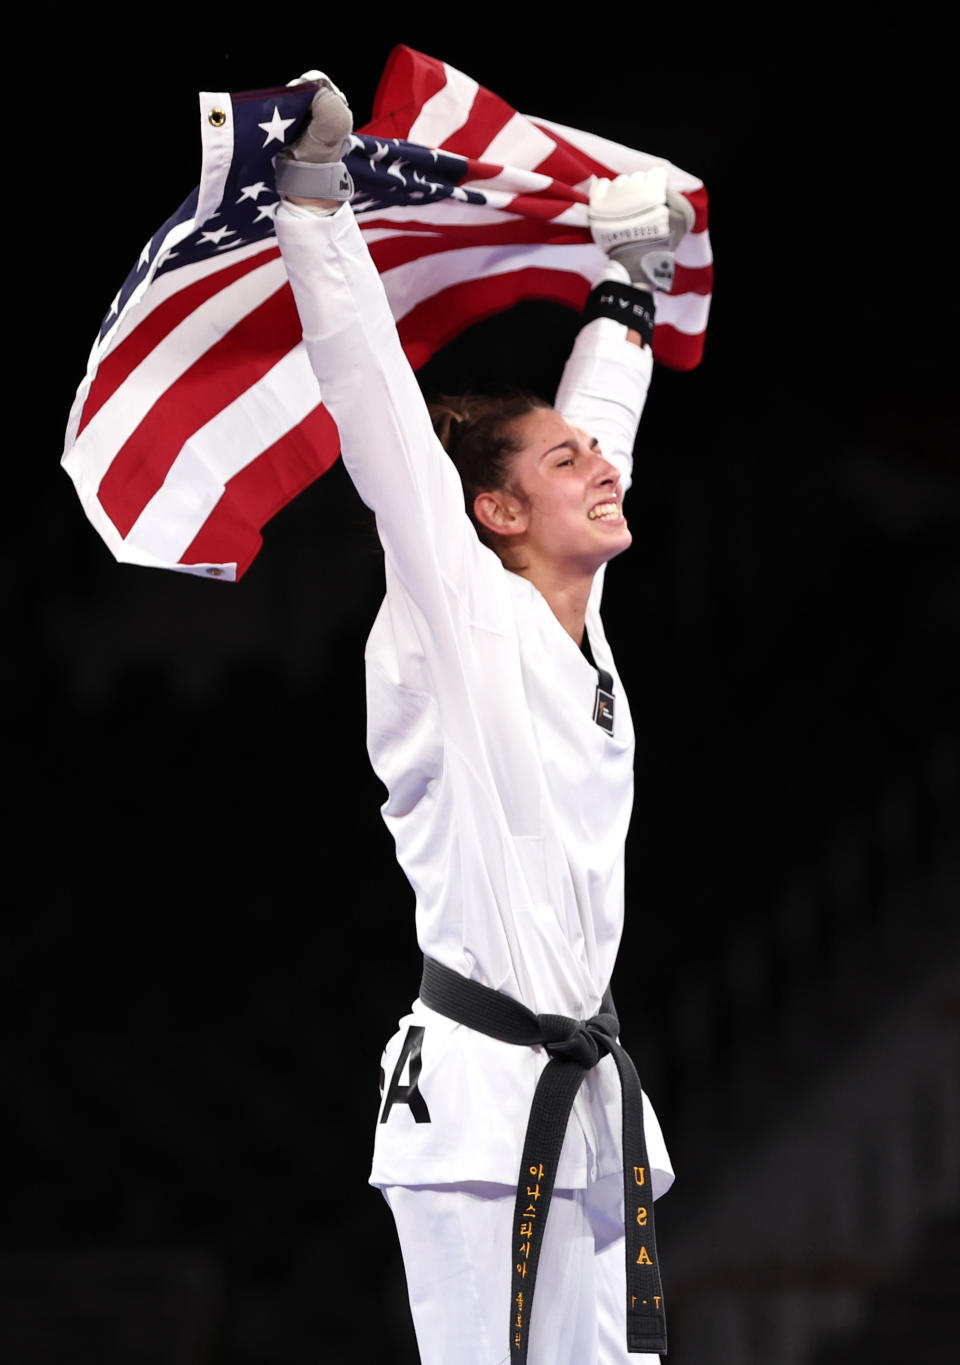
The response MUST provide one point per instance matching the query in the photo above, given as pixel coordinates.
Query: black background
(207, 938)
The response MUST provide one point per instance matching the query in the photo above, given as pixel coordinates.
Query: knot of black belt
(574, 1046)
(584, 1042)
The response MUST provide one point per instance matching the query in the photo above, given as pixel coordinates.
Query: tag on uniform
(603, 709)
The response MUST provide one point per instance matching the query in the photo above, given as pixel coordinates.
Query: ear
(500, 512)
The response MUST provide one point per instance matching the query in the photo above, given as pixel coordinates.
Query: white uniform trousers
(456, 1242)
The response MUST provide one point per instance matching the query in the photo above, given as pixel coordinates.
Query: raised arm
(638, 223)
(387, 439)
(605, 381)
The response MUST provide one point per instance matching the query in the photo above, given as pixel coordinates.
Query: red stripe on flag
(390, 252)
(545, 203)
(409, 79)
(225, 371)
(268, 92)
(257, 492)
(692, 280)
(556, 164)
(367, 223)
(115, 367)
(567, 162)
(699, 200)
(408, 245)
(488, 115)
(439, 319)
(675, 349)
(479, 170)
(560, 189)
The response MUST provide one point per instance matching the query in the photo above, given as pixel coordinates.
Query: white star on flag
(145, 254)
(252, 191)
(218, 236)
(276, 127)
(267, 210)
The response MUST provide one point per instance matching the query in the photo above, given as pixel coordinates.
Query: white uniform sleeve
(387, 440)
(604, 388)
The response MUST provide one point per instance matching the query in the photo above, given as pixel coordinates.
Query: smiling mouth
(605, 511)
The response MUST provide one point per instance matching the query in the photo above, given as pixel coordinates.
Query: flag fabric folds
(199, 417)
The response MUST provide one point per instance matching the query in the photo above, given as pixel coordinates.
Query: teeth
(606, 511)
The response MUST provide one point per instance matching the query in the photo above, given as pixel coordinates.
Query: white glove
(638, 221)
(327, 136)
(313, 168)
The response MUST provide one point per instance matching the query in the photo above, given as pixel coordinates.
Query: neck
(566, 596)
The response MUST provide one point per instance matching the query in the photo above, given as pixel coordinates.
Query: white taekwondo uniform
(508, 803)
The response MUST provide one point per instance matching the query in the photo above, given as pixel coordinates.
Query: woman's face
(572, 496)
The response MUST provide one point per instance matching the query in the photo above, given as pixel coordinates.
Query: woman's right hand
(312, 172)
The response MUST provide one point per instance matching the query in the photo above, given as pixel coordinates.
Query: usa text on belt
(574, 1047)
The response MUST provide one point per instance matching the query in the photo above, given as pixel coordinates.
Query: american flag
(199, 417)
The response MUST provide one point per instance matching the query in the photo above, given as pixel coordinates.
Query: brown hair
(476, 431)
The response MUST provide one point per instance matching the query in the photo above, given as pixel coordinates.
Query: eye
(567, 460)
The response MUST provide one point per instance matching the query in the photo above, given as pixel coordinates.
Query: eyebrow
(568, 445)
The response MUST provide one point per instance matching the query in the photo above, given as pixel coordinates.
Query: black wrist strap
(624, 303)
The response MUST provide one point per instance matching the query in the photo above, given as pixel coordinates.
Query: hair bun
(446, 423)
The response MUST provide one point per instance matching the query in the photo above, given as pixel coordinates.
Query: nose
(606, 472)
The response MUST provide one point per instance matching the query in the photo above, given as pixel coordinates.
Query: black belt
(574, 1048)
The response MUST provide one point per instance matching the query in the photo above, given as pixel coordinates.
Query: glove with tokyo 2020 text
(639, 222)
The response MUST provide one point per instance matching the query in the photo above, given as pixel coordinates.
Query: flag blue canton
(264, 122)
(245, 216)
(184, 213)
(386, 173)
(390, 172)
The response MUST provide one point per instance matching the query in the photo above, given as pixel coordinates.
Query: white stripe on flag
(445, 211)
(687, 312)
(220, 449)
(410, 284)
(126, 553)
(125, 409)
(519, 143)
(694, 250)
(173, 281)
(499, 199)
(512, 180)
(445, 112)
(574, 216)
(621, 160)
(386, 234)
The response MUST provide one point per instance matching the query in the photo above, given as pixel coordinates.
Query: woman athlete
(499, 726)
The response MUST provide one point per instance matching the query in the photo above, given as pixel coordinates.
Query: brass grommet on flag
(217, 118)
